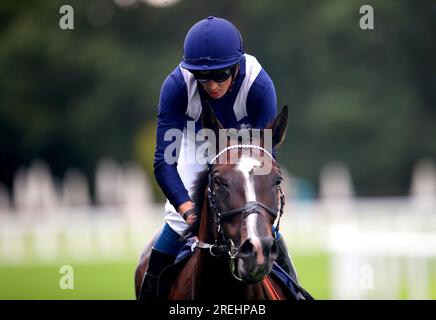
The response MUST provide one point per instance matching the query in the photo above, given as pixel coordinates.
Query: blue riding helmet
(212, 43)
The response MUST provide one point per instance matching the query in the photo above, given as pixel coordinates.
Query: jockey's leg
(284, 259)
(163, 254)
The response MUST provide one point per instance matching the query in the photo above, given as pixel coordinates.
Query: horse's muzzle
(256, 257)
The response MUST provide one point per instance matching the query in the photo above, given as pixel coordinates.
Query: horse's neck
(206, 233)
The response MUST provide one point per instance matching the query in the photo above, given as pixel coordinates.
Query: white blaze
(246, 166)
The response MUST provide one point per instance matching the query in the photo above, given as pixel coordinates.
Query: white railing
(378, 248)
(90, 234)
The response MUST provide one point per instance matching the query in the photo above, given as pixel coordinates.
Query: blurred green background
(366, 98)
(71, 97)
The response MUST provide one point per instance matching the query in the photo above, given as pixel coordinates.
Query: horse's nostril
(246, 248)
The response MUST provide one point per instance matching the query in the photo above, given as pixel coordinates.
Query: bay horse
(234, 248)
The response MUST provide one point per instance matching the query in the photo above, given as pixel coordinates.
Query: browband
(242, 146)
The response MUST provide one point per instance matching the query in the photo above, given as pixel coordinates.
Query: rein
(223, 244)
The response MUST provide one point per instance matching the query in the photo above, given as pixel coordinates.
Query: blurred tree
(366, 98)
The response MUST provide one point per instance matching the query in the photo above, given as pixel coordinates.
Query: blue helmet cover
(212, 43)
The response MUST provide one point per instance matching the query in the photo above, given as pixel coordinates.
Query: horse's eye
(218, 181)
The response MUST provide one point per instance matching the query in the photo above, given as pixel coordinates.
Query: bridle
(224, 244)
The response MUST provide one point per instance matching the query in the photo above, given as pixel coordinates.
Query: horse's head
(244, 198)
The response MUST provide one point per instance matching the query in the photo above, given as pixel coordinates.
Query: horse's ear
(279, 126)
(209, 120)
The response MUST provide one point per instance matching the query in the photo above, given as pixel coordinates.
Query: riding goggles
(219, 75)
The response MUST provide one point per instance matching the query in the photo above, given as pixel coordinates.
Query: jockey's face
(217, 90)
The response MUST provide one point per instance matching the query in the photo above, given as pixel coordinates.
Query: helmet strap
(235, 70)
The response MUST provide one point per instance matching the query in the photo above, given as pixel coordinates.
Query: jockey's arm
(262, 102)
(171, 115)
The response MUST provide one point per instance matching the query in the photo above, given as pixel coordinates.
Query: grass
(114, 280)
(91, 281)
(313, 274)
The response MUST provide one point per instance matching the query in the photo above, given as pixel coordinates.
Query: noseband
(224, 244)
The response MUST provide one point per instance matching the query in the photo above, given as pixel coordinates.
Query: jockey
(216, 69)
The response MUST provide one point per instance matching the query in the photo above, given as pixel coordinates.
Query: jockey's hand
(186, 210)
(190, 216)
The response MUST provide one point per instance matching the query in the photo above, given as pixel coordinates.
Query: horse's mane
(199, 187)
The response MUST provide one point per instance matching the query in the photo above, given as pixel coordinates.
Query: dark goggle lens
(216, 75)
